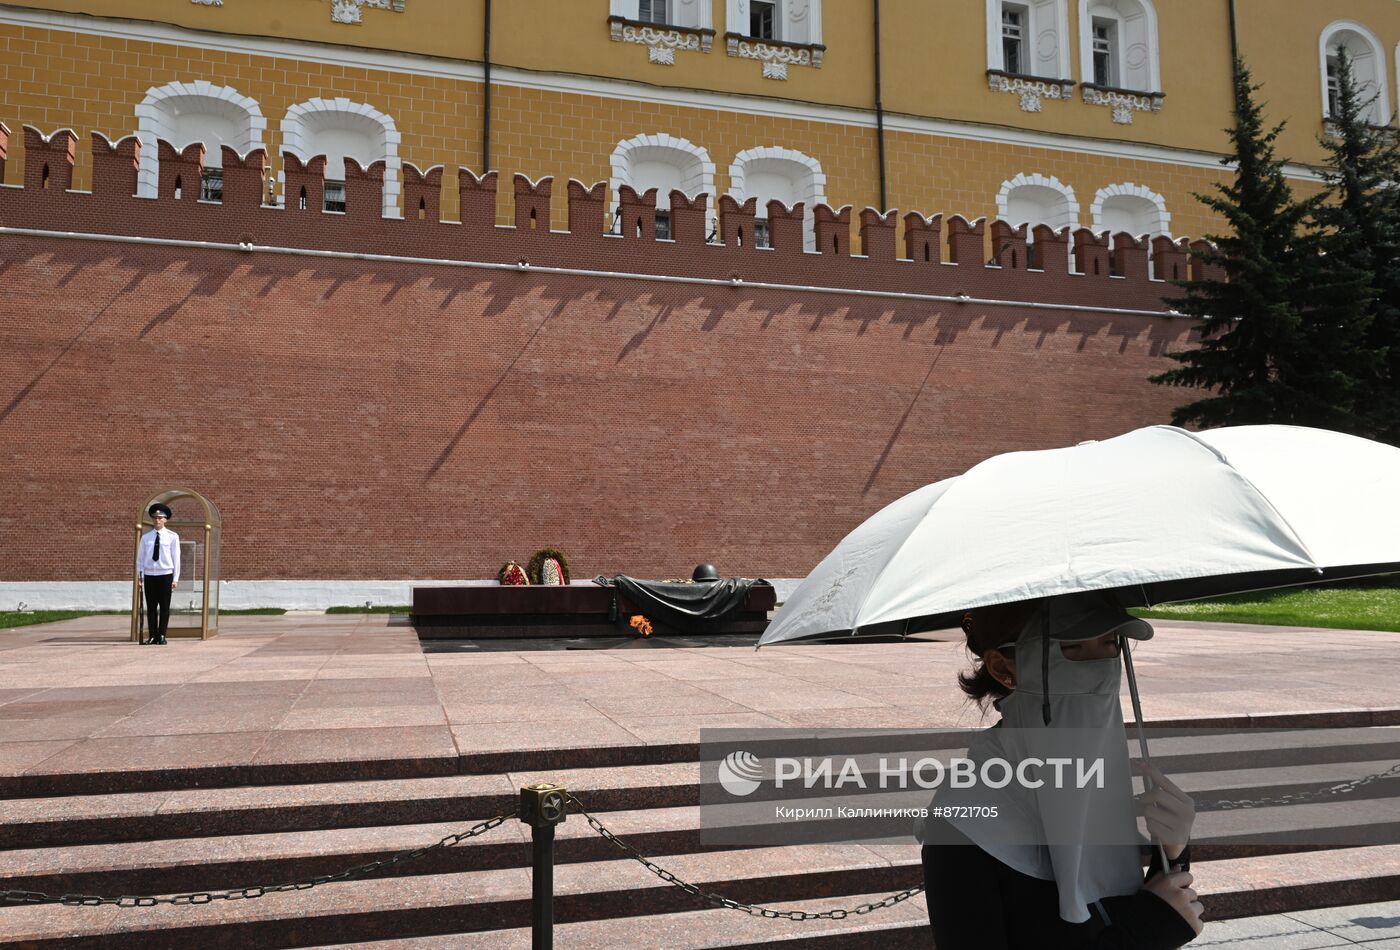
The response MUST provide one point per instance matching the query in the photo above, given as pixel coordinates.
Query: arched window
(1132, 208)
(185, 112)
(1118, 46)
(665, 163)
(1037, 199)
(1029, 37)
(782, 174)
(337, 128)
(1368, 68)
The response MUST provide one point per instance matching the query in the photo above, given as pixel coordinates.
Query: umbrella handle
(1142, 736)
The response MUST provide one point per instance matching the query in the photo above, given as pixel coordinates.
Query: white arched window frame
(794, 21)
(1368, 65)
(304, 120)
(693, 14)
(1146, 209)
(803, 174)
(1037, 199)
(1134, 43)
(193, 106)
(1044, 37)
(642, 161)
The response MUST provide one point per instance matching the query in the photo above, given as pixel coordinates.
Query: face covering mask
(1081, 838)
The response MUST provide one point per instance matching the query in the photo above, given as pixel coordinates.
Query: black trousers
(157, 588)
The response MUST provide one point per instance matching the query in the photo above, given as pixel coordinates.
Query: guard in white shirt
(158, 564)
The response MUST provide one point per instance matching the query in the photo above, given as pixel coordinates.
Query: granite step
(181, 840)
(619, 903)
(469, 902)
(228, 861)
(117, 781)
(1294, 760)
(235, 861)
(1249, 887)
(134, 779)
(147, 816)
(903, 926)
(189, 813)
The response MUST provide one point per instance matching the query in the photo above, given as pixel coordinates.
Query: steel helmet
(705, 572)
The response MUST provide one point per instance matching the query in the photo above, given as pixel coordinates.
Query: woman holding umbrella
(1057, 867)
(1156, 515)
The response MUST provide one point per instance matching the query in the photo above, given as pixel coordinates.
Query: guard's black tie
(155, 549)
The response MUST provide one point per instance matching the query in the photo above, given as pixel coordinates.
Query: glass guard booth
(194, 604)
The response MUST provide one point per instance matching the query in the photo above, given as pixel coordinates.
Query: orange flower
(641, 624)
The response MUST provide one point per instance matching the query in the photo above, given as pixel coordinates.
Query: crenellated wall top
(937, 256)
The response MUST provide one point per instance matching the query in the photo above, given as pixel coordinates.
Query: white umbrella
(1159, 514)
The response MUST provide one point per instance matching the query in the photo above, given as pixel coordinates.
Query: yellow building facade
(1097, 113)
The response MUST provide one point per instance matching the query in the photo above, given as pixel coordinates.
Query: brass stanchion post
(542, 806)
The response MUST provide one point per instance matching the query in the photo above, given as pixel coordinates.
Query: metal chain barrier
(250, 893)
(1343, 788)
(543, 806)
(720, 900)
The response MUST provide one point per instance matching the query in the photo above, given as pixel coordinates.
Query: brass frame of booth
(208, 569)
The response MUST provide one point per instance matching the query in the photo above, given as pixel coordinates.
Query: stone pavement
(1374, 926)
(302, 745)
(272, 693)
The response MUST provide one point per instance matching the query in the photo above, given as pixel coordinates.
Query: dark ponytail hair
(981, 685)
(988, 628)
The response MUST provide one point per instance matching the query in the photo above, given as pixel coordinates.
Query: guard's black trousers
(157, 588)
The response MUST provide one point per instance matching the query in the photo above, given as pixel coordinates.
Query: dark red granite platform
(579, 610)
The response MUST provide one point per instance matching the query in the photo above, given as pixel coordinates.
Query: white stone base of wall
(244, 595)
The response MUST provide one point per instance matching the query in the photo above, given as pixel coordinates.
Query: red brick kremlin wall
(359, 418)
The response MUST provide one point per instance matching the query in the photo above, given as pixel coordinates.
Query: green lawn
(1351, 608)
(10, 618)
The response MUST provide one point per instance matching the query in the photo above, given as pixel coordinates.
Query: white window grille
(1334, 86)
(653, 11)
(1105, 53)
(763, 19)
(334, 194)
(211, 184)
(1013, 23)
(761, 236)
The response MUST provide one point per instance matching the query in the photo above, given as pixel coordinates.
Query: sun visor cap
(1089, 616)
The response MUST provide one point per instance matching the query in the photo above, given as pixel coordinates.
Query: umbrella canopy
(1157, 515)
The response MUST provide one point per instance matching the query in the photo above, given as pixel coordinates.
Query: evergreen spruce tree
(1361, 225)
(1259, 321)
